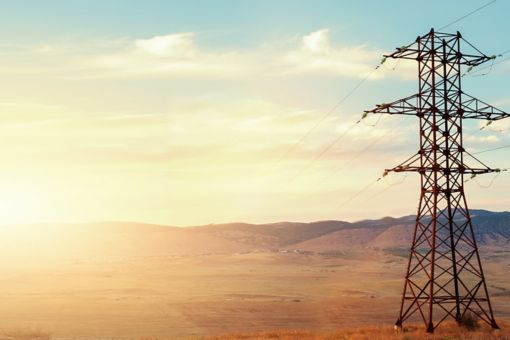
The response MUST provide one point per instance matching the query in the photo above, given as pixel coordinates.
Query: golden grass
(24, 334)
(447, 331)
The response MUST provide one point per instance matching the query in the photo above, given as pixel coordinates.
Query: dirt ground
(193, 296)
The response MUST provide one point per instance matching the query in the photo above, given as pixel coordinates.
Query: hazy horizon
(120, 221)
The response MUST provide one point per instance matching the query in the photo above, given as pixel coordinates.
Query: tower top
(440, 58)
(433, 43)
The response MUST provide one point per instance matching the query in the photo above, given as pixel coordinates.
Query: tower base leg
(398, 326)
(430, 328)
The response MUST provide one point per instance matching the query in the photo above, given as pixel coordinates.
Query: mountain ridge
(131, 239)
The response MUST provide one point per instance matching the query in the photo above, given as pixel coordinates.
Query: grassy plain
(172, 297)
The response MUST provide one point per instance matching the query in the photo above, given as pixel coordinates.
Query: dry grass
(25, 334)
(192, 296)
(447, 331)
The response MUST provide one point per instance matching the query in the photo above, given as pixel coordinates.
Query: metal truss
(444, 276)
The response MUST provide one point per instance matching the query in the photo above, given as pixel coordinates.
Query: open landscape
(137, 281)
(267, 170)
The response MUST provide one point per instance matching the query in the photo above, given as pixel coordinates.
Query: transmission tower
(444, 276)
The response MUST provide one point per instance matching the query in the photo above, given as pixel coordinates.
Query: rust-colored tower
(444, 274)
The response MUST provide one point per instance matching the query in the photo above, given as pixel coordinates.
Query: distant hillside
(119, 239)
(491, 229)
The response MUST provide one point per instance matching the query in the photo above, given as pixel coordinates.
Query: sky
(194, 112)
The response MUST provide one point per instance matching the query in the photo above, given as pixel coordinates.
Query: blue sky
(154, 110)
(244, 23)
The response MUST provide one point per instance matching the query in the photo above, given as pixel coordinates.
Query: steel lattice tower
(444, 274)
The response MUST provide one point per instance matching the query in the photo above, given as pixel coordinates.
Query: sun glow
(21, 205)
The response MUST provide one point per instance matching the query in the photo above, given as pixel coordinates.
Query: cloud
(180, 45)
(316, 55)
(178, 55)
(172, 55)
(209, 132)
(317, 42)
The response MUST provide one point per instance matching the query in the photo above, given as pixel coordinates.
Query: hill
(127, 239)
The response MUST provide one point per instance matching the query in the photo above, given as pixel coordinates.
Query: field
(171, 297)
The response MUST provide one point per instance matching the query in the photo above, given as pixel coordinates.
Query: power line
(325, 116)
(387, 187)
(351, 92)
(485, 186)
(340, 137)
(467, 15)
(362, 190)
(325, 150)
(328, 113)
(370, 184)
(489, 66)
(356, 87)
(493, 149)
(441, 28)
(356, 194)
(365, 149)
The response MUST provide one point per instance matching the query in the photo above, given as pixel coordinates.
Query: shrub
(469, 320)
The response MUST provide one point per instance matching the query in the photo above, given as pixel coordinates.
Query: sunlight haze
(124, 110)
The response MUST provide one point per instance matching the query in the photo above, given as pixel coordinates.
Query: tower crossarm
(451, 170)
(414, 164)
(477, 109)
(471, 108)
(431, 44)
(404, 106)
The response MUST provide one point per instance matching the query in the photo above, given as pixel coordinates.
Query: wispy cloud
(316, 55)
(179, 55)
(179, 45)
(172, 55)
